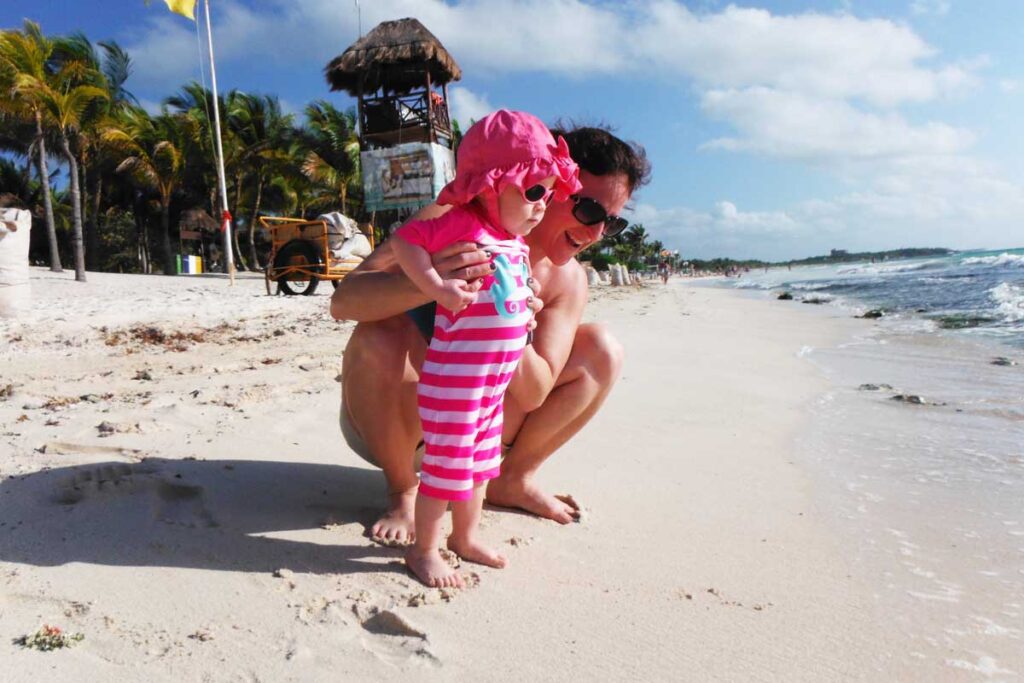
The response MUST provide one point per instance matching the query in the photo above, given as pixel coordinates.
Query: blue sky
(776, 129)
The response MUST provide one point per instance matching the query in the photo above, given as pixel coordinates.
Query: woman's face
(559, 236)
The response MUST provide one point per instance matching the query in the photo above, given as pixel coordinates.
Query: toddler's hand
(455, 295)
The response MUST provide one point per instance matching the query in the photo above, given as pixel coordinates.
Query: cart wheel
(303, 254)
(267, 281)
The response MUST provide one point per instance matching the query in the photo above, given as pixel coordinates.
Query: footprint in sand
(395, 640)
(175, 502)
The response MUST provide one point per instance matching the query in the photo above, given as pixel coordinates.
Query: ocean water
(928, 497)
(969, 293)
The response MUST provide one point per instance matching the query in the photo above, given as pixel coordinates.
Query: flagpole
(225, 214)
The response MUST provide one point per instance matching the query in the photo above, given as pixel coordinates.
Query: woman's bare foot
(524, 495)
(397, 525)
(471, 550)
(430, 568)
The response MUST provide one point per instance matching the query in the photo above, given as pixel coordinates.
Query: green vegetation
(632, 248)
(723, 265)
(128, 175)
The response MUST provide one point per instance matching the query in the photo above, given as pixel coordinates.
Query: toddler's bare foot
(471, 550)
(431, 569)
(397, 525)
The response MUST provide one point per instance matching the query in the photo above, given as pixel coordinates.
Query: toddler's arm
(415, 261)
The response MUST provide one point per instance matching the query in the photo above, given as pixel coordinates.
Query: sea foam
(1004, 259)
(1009, 301)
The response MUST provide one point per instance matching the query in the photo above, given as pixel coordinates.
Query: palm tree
(196, 102)
(264, 132)
(152, 152)
(23, 55)
(333, 157)
(108, 71)
(63, 100)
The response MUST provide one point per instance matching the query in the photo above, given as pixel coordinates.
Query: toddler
(509, 168)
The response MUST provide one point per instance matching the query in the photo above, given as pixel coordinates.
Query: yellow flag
(185, 8)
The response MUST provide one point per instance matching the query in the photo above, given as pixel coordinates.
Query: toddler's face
(520, 209)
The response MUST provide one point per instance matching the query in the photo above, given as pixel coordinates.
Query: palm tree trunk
(141, 236)
(76, 210)
(236, 249)
(97, 197)
(165, 228)
(252, 223)
(44, 178)
(92, 250)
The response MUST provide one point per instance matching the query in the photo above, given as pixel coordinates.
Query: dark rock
(875, 387)
(816, 300)
(785, 296)
(915, 399)
(873, 314)
(1003, 361)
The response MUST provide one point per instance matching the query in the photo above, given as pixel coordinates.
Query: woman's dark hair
(599, 152)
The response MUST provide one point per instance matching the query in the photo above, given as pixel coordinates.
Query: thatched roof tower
(393, 56)
(198, 220)
(393, 71)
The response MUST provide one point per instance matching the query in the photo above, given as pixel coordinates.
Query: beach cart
(305, 252)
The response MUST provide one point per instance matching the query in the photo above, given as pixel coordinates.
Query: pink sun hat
(510, 148)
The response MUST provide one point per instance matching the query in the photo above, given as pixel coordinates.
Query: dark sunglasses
(590, 212)
(537, 193)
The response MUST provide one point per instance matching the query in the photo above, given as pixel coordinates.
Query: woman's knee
(604, 352)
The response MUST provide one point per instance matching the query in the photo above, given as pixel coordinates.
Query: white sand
(700, 556)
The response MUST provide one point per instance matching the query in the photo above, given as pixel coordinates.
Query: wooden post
(448, 115)
(432, 134)
(359, 106)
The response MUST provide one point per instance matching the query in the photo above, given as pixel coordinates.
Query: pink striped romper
(471, 358)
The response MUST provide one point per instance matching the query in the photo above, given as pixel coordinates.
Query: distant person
(562, 379)
(663, 272)
(509, 167)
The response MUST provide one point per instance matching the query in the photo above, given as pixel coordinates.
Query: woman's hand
(463, 261)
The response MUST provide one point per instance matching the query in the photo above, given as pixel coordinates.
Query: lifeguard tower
(399, 74)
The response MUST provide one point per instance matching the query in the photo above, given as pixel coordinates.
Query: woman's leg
(378, 390)
(586, 380)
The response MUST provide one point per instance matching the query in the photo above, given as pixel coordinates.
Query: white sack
(15, 225)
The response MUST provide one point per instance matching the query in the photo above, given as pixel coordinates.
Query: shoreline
(221, 533)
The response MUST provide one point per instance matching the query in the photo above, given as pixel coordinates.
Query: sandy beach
(174, 486)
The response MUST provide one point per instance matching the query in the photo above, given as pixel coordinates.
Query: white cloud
(881, 61)
(938, 201)
(724, 229)
(165, 55)
(1009, 85)
(798, 126)
(468, 106)
(834, 56)
(936, 7)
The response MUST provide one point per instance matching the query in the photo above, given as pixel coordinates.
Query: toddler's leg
(423, 557)
(465, 522)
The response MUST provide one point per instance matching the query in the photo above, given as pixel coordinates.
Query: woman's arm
(378, 289)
